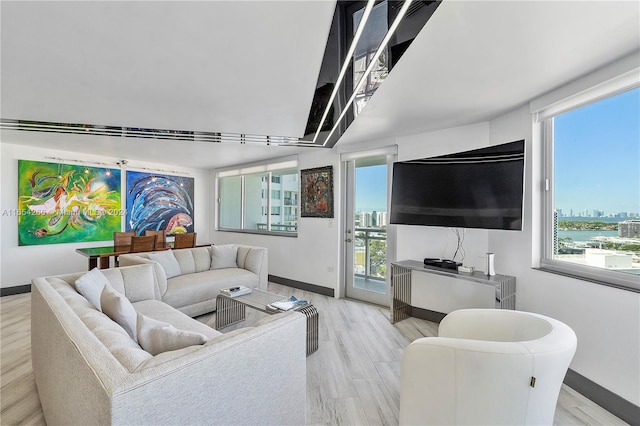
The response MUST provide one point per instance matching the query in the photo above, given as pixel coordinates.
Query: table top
(106, 251)
(259, 299)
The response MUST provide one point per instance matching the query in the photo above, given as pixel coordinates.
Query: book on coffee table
(285, 304)
(235, 291)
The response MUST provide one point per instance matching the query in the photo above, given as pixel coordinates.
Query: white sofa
(89, 371)
(193, 291)
(486, 367)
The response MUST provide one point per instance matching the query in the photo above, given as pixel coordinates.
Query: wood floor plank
(352, 379)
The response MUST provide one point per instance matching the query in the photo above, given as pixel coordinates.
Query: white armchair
(486, 367)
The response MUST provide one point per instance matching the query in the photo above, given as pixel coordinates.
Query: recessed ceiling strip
(133, 132)
(345, 65)
(372, 64)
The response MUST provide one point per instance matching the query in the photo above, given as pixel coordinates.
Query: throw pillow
(119, 309)
(168, 261)
(156, 336)
(224, 256)
(90, 285)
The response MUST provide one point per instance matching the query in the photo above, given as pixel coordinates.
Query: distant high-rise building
(366, 220)
(555, 232)
(629, 229)
(381, 219)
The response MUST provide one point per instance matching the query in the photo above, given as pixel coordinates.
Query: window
(592, 202)
(244, 205)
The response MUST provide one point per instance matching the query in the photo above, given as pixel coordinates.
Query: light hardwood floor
(353, 378)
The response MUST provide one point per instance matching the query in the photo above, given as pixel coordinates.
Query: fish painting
(159, 202)
(61, 203)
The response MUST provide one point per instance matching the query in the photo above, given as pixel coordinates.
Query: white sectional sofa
(193, 287)
(90, 371)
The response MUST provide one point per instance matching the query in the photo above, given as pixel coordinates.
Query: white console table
(439, 291)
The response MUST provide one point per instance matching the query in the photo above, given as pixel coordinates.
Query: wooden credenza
(431, 293)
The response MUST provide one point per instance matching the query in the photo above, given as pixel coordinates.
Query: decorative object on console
(317, 192)
(490, 267)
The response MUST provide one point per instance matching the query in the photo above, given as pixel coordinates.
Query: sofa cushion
(157, 336)
(186, 261)
(201, 258)
(162, 312)
(189, 289)
(168, 261)
(90, 285)
(142, 282)
(119, 309)
(224, 256)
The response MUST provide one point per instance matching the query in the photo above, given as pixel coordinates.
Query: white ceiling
(251, 67)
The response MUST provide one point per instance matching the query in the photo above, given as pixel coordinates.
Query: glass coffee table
(230, 310)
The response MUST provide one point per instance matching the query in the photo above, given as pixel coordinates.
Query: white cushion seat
(487, 366)
(189, 289)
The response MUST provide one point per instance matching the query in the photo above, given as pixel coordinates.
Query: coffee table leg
(228, 311)
(311, 313)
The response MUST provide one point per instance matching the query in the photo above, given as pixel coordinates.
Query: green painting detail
(61, 203)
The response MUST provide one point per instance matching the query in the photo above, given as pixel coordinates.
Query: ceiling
(252, 66)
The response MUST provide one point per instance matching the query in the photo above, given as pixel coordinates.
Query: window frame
(269, 169)
(544, 119)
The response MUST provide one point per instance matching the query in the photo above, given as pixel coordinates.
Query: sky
(597, 164)
(371, 188)
(597, 156)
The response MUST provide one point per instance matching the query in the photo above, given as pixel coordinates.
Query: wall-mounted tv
(482, 188)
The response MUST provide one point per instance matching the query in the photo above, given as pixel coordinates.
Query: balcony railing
(276, 227)
(370, 252)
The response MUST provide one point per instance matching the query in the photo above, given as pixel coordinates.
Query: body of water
(585, 235)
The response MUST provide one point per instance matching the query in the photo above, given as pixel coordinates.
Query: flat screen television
(482, 188)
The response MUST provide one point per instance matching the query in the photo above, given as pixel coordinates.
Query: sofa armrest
(133, 259)
(257, 376)
(257, 262)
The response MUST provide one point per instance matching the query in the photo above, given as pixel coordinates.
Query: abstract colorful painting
(62, 203)
(317, 192)
(156, 202)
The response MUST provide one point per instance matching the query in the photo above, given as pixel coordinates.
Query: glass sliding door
(366, 240)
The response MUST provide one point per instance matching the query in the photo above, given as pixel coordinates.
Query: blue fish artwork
(156, 202)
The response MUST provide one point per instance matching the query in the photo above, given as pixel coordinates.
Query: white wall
(312, 257)
(19, 264)
(606, 320)
(418, 242)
